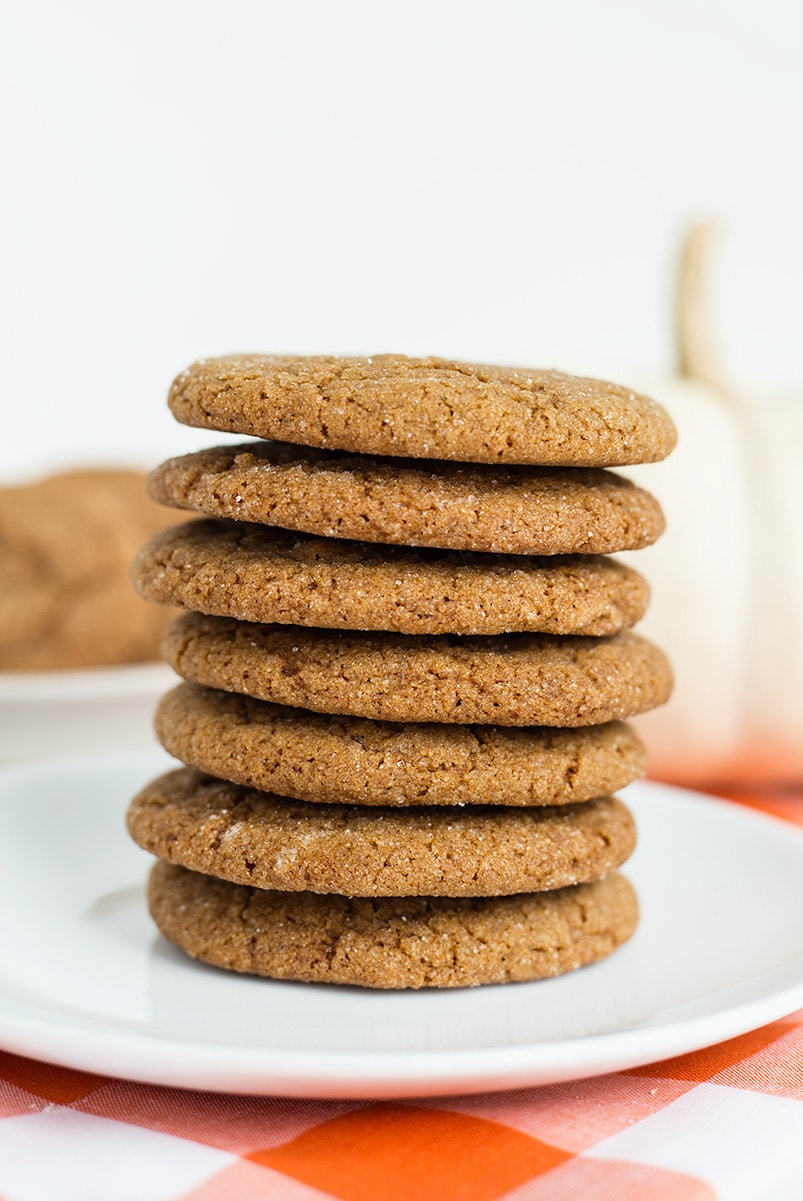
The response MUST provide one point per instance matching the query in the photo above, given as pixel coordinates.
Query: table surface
(725, 1122)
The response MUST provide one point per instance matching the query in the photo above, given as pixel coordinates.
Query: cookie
(351, 760)
(508, 680)
(513, 510)
(256, 573)
(391, 942)
(257, 838)
(424, 408)
(66, 599)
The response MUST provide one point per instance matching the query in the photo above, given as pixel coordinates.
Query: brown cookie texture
(251, 837)
(257, 573)
(66, 543)
(513, 510)
(391, 942)
(348, 760)
(424, 408)
(509, 680)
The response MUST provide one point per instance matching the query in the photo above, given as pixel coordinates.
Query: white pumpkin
(727, 576)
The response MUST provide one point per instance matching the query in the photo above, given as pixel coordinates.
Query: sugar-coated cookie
(424, 408)
(251, 837)
(256, 573)
(511, 510)
(315, 757)
(508, 680)
(66, 543)
(391, 942)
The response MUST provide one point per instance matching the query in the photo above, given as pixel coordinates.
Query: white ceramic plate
(86, 981)
(64, 712)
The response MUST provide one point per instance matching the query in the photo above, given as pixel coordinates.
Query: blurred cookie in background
(66, 598)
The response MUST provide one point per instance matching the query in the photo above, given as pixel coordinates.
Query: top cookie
(425, 408)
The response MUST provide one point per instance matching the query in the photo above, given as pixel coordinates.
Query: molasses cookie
(513, 510)
(251, 837)
(391, 942)
(424, 408)
(508, 680)
(256, 573)
(315, 757)
(66, 600)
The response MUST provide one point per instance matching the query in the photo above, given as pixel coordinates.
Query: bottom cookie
(390, 942)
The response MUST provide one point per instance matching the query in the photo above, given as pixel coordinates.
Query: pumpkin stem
(697, 357)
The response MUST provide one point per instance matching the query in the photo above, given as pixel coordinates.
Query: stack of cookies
(407, 660)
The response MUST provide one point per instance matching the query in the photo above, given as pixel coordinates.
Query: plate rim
(131, 1054)
(371, 1075)
(104, 682)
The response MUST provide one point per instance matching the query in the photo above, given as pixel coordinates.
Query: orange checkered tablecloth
(725, 1122)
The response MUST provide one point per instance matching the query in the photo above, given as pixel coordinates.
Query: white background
(505, 181)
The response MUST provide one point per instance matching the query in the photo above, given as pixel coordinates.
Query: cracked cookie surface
(513, 510)
(321, 758)
(256, 838)
(391, 942)
(509, 680)
(258, 573)
(424, 408)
